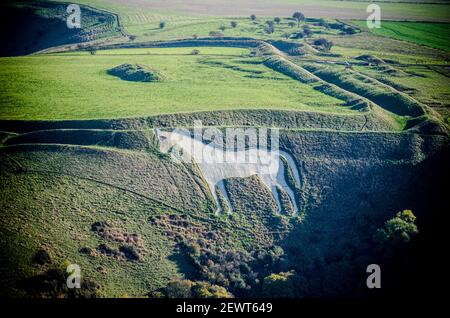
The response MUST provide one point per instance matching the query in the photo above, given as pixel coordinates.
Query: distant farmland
(392, 10)
(430, 34)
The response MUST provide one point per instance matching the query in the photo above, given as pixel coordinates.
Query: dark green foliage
(398, 230)
(206, 290)
(307, 31)
(52, 284)
(300, 17)
(189, 289)
(269, 28)
(51, 281)
(253, 17)
(92, 50)
(278, 285)
(42, 257)
(323, 44)
(179, 289)
(238, 271)
(277, 20)
(233, 24)
(130, 252)
(286, 35)
(136, 73)
(162, 24)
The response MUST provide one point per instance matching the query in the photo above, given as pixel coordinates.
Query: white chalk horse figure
(217, 163)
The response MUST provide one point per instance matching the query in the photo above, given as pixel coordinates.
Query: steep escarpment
(350, 184)
(32, 26)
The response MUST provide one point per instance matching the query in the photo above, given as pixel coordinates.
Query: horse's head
(176, 143)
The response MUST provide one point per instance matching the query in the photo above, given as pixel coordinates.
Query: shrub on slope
(136, 73)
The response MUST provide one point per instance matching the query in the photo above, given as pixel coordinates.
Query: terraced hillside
(83, 179)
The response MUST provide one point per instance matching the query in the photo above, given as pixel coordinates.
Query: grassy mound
(377, 92)
(136, 73)
(277, 118)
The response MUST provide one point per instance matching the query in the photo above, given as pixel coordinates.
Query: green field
(435, 35)
(69, 86)
(148, 12)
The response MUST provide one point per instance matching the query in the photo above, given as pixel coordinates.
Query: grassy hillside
(75, 86)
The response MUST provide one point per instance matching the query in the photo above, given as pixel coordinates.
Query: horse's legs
(222, 199)
(276, 197)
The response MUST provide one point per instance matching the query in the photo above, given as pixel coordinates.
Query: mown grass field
(76, 86)
(435, 35)
(167, 9)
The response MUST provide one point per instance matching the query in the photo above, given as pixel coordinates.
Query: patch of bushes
(398, 230)
(42, 257)
(323, 44)
(132, 246)
(52, 282)
(279, 285)
(136, 73)
(238, 271)
(189, 289)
